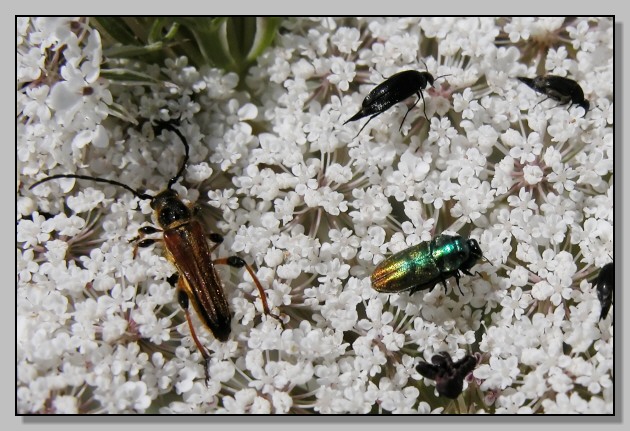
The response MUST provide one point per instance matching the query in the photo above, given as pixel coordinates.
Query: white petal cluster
(313, 208)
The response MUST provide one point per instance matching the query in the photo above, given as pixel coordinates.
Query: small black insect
(563, 90)
(394, 89)
(605, 284)
(448, 375)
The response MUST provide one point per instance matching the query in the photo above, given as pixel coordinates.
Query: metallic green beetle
(426, 264)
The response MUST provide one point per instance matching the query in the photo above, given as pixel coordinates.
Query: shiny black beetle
(605, 285)
(563, 90)
(394, 89)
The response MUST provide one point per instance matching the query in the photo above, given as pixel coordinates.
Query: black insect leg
(457, 277)
(173, 279)
(143, 231)
(366, 123)
(546, 98)
(424, 105)
(412, 106)
(140, 242)
(385, 78)
(443, 281)
(216, 238)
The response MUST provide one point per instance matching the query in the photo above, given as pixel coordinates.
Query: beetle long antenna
(427, 68)
(177, 176)
(142, 196)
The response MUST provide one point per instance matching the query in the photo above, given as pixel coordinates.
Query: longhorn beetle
(187, 248)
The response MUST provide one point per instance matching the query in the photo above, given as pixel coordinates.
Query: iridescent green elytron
(426, 264)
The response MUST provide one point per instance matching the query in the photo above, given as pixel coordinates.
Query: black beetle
(605, 284)
(563, 90)
(448, 375)
(394, 89)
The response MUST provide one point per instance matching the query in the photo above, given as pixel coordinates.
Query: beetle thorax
(421, 79)
(428, 78)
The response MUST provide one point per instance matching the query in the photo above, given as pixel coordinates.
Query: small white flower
(132, 395)
(532, 174)
(519, 28)
(342, 73)
(498, 374)
(346, 39)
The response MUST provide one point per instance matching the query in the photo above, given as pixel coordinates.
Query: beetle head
(474, 254)
(586, 105)
(169, 208)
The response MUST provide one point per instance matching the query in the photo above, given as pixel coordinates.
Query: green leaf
(116, 29)
(266, 31)
(155, 32)
(230, 43)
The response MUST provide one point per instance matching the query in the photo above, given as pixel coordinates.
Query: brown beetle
(187, 248)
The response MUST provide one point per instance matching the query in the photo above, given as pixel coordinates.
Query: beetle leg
(183, 300)
(216, 238)
(237, 262)
(476, 273)
(546, 98)
(144, 231)
(412, 106)
(366, 123)
(173, 279)
(385, 78)
(457, 277)
(140, 242)
(144, 243)
(444, 284)
(424, 104)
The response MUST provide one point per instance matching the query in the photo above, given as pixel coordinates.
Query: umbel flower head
(314, 205)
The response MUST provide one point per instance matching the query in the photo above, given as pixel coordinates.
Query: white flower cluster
(313, 209)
